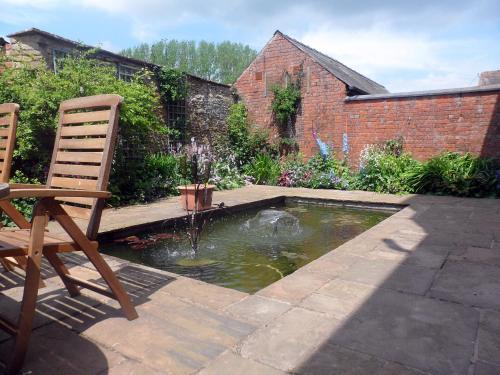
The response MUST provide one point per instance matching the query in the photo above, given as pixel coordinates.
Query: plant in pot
(196, 166)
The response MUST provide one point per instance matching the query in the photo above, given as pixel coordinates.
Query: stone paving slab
(339, 298)
(295, 287)
(257, 309)
(415, 294)
(469, 283)
(419, 332)
(289, 340)
(390, 274)
(231, 363)
(55, 349)
(489, 338)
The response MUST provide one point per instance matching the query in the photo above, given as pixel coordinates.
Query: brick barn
(350, 111)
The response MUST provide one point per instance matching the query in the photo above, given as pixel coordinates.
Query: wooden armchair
(76, 184)
(9, 113)
(8, 124)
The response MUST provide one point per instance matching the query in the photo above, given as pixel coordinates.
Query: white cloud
(386, 55)
(108, 46)
(39, 4)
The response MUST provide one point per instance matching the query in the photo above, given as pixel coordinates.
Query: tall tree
(222, 62)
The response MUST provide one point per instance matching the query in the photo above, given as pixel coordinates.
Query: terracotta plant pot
(204, 198)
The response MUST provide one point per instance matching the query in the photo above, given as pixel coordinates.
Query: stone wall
(35, 49)
(39, 49)
(207, 106)
(430, 123)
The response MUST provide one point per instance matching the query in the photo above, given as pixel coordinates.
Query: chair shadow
(56, 345)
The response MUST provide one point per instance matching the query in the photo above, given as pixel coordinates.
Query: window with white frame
(126, 73)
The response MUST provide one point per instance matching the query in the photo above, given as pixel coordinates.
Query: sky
(403, 45)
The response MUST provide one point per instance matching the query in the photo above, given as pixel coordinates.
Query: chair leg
(62, 271)
(30, 292)
(112, 280)
(90, 250)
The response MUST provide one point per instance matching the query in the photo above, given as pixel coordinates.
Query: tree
(221, 62)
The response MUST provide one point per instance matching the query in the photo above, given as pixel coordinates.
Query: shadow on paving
(423, 296)
(56, 345)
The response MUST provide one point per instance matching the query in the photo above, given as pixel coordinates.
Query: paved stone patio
(418, 293)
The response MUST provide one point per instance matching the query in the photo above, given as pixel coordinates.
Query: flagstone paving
(416, 294)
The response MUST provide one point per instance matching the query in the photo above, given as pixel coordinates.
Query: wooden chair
(9, 113)
(76, 184)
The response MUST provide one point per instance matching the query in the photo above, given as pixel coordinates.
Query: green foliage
(264, 169)
(171, 84)
(285, 102)
(225, 176)
(385, 170)
(242, 142)
(39, 92)
(388, 169)
(25, 206)
(164, 175)
(455, 174)
(221, 62)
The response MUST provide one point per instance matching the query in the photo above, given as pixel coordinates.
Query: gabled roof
(347, 75)
(34, 31)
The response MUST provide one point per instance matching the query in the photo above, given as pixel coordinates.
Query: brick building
(350, 111)
(205, 107)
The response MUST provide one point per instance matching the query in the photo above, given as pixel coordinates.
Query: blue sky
(404, 45)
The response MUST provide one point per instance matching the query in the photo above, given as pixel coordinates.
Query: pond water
(252, 249)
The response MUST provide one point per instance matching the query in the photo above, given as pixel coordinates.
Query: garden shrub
(39, 92)
(317, 173)
(226, 176)
(24, 205)
(242, 142)
(385, 169)
(264, 169)
(452, 173)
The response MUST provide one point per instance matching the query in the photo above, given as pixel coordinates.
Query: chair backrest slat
(83, 152)
(9, 113)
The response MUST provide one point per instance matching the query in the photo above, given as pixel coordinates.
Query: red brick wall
(467, 122)
(324, 93)
(428, 124)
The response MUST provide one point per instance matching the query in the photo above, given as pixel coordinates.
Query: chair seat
(16, 242)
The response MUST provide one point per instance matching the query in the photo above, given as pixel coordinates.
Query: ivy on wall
(172, 84)
(285, 105)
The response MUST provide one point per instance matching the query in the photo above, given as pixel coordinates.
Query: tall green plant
(455, 174)
(264, 169)
(242, 141)
(385, 170)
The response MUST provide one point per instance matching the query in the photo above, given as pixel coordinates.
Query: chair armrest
(26, 186)
(56, 193)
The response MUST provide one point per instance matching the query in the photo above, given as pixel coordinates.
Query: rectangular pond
(253, 248)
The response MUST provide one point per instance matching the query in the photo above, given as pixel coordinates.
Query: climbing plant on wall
(172, 84)
(285, 105)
